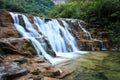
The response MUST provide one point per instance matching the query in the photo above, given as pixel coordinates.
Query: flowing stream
(51, 40)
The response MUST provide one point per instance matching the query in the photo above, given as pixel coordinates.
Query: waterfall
(102, 45)
(90, 37)
(54, 31)
(84, 30)
(57, 40)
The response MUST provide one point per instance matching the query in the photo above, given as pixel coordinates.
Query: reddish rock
(6, 25)
(30, 18)
(36, 72)
(45, 65)
(54, 71)
(49, 78)
(16, 45)
(5, 18)
(40, 60)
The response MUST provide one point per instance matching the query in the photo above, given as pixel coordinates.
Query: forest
(34, 7)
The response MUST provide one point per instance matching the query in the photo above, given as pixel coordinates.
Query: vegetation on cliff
(34, 7)
(103, 14)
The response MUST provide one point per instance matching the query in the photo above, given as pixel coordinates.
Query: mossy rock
(49, 48)
(32, 49)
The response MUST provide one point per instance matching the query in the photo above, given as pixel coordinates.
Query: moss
(104, 65)
(32, 49)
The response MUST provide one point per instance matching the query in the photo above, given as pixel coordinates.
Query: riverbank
(102, 65)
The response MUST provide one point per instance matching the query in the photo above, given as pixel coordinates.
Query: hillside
(34, 7)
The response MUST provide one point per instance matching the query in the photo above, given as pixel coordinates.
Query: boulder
(17, 46)
(10, 70)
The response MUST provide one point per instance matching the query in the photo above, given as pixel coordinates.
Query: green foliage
(34, 7)
(114, 30)
(2, 4)
(65, 10)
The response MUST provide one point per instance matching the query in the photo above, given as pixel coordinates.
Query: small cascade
(102, 45)
(84, 30)
(50, 39)
(90, 37)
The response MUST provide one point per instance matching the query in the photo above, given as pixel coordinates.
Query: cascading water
(84, 30)
(90, 37)
(58, 37)
(54, 31)
(102, 45)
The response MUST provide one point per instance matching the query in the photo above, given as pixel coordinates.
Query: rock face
(17, 45)
(6, 25)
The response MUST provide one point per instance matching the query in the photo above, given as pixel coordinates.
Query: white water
(61, 40)
(59, 37)
(84, 30)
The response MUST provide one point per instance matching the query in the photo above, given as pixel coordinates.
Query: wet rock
(34, 78)
(40, 60)
(46, 20)
(49, 78)
(10, 70)
(45, 65)
(64, 74)
(36, 72)
(21, 60)
(1, 55)
(49, 48)
(1, 58)
(1, 52)
(52, 72)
